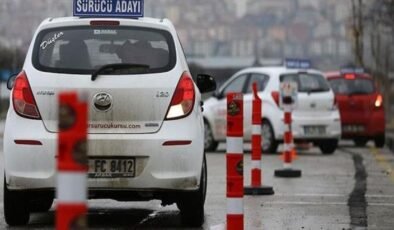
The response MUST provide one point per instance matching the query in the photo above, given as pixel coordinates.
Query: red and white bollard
(256, 180)
(287, 170)
(72, 164)
(234, 158)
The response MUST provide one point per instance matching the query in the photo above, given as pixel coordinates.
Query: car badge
(233, 109)
(313, 105)
(102, 101)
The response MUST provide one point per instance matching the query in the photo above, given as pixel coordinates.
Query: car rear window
(307, 82)
(352, 86)
(84, 49)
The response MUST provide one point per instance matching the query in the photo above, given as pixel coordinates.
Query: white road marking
(313, 195)
(331, 195)
(218, 227)
(322, 203)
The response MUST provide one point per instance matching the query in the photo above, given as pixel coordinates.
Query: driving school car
(315, 117)
(361, 106)
(145, 118)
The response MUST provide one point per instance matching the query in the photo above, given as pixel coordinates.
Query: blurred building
(269, 28)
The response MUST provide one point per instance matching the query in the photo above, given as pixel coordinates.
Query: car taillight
(275, 96)
(23, 99)
(379, 101)
(183, 100)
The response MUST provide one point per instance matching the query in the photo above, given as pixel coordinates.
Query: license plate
(111, 168)
(353, 128)
(314, 130)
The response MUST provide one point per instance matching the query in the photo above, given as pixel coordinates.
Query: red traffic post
(288, 154)
(234, 160)
(256, 187)
(72, 163)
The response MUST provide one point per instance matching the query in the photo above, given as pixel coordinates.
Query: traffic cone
(287, 170)
(256, 187)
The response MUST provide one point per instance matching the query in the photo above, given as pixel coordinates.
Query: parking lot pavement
(352, 189)
(379, 164)
(317, 200)
(390, 140)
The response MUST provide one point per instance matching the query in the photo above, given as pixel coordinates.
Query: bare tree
(379, 22)
(358, 31)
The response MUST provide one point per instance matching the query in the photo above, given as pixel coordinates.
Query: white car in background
(316, 118)
(144, 111)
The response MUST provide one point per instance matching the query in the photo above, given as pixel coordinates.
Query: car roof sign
(109, 8)
(357, 70)
(291, 63)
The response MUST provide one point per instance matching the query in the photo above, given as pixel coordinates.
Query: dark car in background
(360, 105)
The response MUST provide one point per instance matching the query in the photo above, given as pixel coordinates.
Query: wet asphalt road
(352, 189)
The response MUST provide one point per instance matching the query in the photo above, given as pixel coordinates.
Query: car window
(84, 49)
(237, 85)
(352, 86)
(261, 80)
(307, 82)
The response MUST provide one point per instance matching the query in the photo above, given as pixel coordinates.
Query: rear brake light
(23, 99)
(350, 76)
(379, 101)
(104, 23)
(275, 96)
(183, 99)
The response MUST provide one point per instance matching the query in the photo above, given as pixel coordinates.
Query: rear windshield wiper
(316, 90)
(120, 66)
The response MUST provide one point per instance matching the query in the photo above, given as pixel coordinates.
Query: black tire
(380, 141)
(268, 144)
(191, 204)
(42, 204)
(209, 142)
(328, 147)
(16, 207)
(360, 142)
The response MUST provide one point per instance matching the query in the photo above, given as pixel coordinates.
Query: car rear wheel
(269, 144)
(360, 142)
(328, 147)
(380, 141)
(16, 207)
(191, 204)
(209, 142)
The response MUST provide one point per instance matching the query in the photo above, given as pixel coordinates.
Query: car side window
(237, 85)
(261, 80)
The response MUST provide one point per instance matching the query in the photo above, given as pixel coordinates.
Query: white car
(316, 118)
(144, 107)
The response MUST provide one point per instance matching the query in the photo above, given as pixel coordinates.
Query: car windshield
(307, 82)
(352, 86)
(85, 49)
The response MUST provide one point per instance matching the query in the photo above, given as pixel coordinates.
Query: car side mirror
(11, 81)
(206, 83)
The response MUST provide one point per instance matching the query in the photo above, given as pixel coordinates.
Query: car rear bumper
(157, 167)
(363, 127)
(330, 121)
